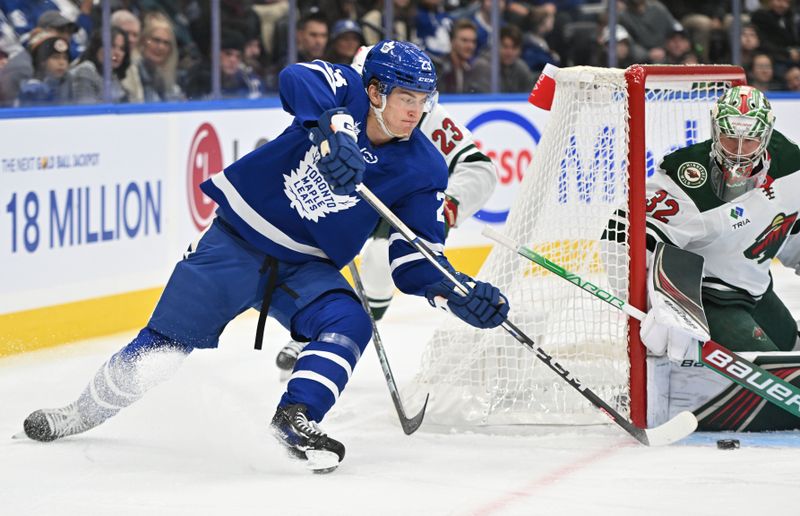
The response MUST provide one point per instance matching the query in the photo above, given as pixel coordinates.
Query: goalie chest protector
(738, 239)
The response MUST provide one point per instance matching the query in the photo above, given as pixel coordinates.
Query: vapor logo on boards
(508, 139)
(205, 159)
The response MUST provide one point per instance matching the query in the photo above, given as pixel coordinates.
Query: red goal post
(637, 77)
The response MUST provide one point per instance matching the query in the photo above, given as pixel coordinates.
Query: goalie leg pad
(718, 403)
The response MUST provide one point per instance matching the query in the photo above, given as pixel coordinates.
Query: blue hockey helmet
(399, 64)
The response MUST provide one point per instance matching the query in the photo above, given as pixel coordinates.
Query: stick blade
(673, 430)
(412, 425)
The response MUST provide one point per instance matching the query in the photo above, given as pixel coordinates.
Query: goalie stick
(409, 425)
(673, 430)
(713, 354)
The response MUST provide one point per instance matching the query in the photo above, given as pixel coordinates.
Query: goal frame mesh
(471, 374)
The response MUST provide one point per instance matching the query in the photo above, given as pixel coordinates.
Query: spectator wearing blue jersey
(536, 51)
(288, 220)
(26, 15)
(433, 27)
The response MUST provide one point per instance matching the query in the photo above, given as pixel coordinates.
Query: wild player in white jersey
(471, 183)
(733, 200)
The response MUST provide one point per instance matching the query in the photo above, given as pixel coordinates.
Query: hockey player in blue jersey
(288, 221)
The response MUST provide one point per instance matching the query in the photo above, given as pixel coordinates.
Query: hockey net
(607, 129)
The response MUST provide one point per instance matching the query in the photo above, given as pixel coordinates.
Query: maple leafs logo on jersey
(769, 242)
(309, 193)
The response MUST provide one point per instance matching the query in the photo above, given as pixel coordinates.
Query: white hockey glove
(676, 320)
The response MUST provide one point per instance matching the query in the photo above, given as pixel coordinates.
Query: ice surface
(198, 445)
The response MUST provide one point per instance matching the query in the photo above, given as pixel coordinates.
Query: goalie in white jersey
(733, 200)
(471, 183)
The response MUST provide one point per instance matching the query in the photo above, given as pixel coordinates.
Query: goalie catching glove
(676, 320)
(482, 307)
(341, 164)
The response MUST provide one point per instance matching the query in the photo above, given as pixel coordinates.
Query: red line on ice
(530, 488)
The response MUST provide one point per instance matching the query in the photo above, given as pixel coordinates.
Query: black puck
(728, 444)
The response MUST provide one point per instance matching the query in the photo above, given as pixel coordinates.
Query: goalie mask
(741, 127)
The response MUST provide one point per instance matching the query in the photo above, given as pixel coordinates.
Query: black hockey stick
(673, 430)
(410, 425)
(713, 354)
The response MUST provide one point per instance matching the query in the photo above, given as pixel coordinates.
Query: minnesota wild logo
(771, 239)
(692, 174)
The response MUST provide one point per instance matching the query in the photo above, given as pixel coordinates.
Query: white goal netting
(578, 179)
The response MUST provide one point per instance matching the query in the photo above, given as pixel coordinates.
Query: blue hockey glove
(483, 307)
(341, 164)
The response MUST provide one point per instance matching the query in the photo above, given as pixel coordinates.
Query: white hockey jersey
(738, 239)
(472, 174)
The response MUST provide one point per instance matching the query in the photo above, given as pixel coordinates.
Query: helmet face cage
(400, 64)
(742, 114)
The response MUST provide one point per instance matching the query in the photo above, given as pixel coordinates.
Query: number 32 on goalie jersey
(661, 207)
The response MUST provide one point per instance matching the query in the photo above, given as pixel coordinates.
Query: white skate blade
(673, 430)
(20, 435)
(321, 461)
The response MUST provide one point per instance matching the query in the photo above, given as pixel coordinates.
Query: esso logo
(508, 139)
(205, 159)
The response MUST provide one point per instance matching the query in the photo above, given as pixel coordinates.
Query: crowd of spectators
(51, 51)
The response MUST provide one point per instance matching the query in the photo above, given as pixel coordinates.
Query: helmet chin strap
(379, 117)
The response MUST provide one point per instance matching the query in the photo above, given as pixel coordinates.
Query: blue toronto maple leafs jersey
(278, 201)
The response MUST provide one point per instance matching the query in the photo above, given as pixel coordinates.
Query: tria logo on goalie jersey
(737, 214)
(769, 242)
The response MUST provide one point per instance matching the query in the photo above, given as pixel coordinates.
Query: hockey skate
(50, 424)
(305, 440)
(287, 357)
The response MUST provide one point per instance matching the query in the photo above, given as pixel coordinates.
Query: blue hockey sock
(341, 330)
